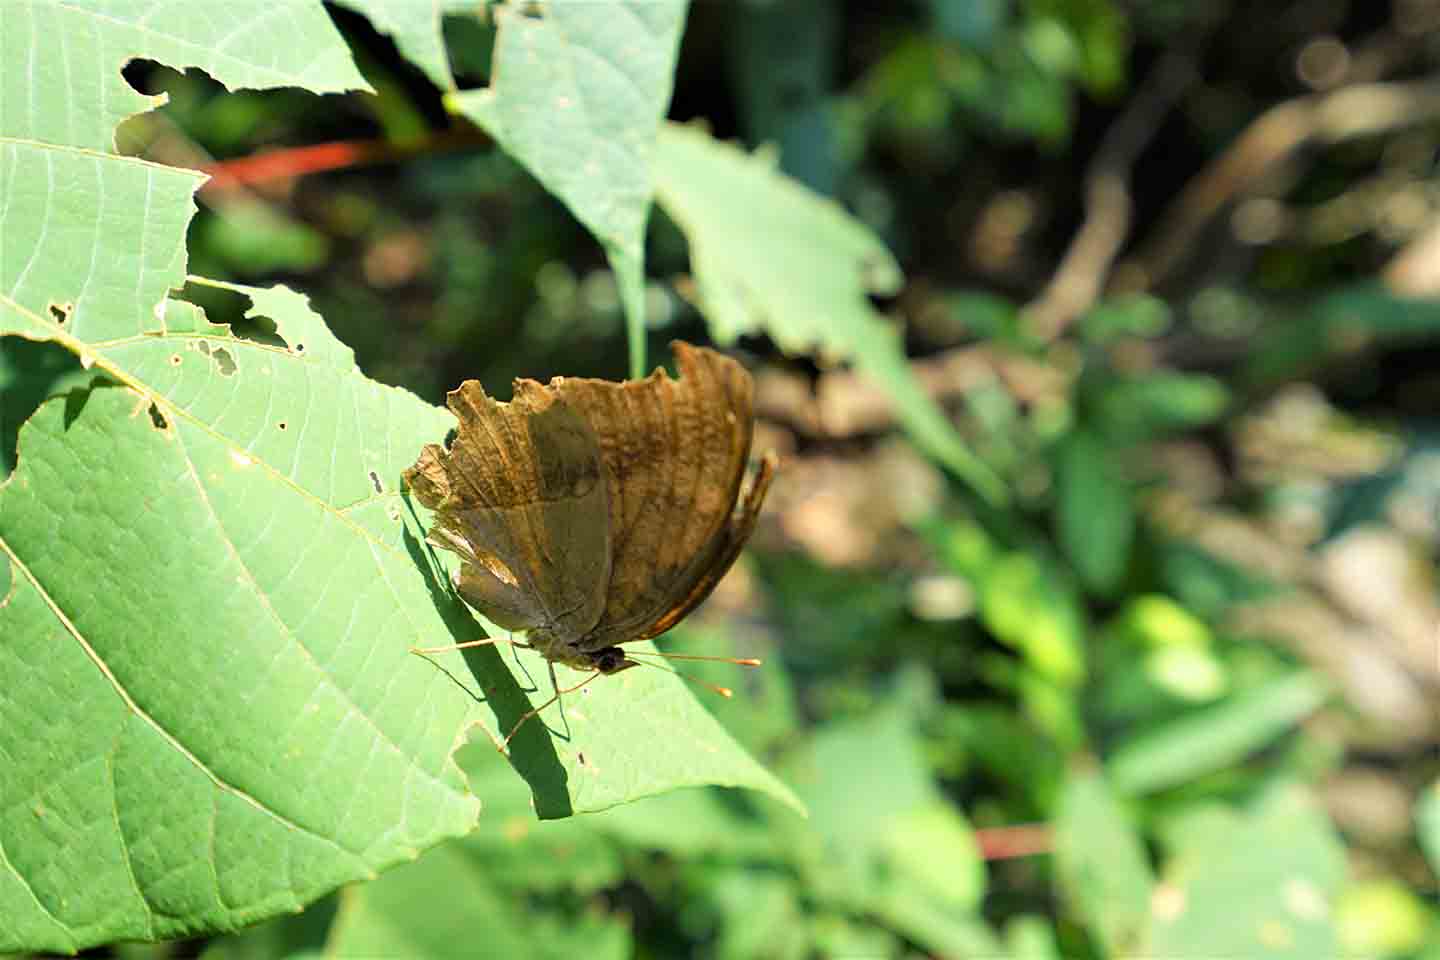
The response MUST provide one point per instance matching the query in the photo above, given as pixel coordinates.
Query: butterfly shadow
(531, 750)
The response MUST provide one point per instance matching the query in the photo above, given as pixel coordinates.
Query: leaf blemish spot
(241, 459)
(580, 758)
(375, 482)
(174, 359)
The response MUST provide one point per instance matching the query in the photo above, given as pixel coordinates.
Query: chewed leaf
(67, 57)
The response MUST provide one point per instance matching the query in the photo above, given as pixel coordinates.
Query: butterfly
(590, 513)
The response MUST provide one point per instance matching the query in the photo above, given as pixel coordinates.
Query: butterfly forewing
(520, 496)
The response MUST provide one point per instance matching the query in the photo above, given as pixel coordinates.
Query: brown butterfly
(592, 513)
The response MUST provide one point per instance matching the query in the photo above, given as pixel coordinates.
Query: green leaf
(1159, 404)
(936, 849)
(1032, 610)
(1382, 917)
(889, 844)
(1101, 863)
(577, 97)
(403, 915)
(1427, 825)
(1215, 737)
(30, 372)
(60, 62)
(417, 31)
(1095, 513)
(1335, 324)
(1031, 937)
(1262, 886)
(1137, 315)
(211, 585)
(769, 255)
(760, 915)
(210, 665)
(255, 516)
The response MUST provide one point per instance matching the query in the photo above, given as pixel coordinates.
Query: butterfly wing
(674, 453)
(520, 497)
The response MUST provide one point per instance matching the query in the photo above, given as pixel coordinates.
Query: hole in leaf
(224, 361)
(60, 312)
(226, 307)
(157, 419)
(32, 371)
(580, 758)
(299, 348)
(282, 425)
(450, 436)
(375, 482)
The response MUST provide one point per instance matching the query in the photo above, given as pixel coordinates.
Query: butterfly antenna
(740, 661)
(468, 644)
(725, 692)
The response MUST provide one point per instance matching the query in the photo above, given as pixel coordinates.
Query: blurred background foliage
(1171, 269)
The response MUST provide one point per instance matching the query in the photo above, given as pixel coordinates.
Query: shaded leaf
(577, 95)
(768, 255)
(1094, 512)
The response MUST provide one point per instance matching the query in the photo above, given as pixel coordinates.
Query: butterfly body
(591, 513)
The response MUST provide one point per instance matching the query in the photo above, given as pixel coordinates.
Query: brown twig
(1319, 119)
(1081, 276)
(1415, 270)
(1006, 843)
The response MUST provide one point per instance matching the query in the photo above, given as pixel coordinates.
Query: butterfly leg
(519, 645)
(558, 693)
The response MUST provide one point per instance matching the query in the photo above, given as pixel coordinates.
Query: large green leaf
(208, 716)
(210, 581)
(769, 255)
(577, 95)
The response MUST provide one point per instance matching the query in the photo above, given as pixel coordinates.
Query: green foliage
(1076, 672)
(1254, 883)
(1102, 863)
(1214, 737)
(769, 255)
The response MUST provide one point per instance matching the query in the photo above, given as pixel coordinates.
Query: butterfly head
(611, 660)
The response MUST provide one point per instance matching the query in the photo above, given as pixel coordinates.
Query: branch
(1082, 273)
(1344, 114)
